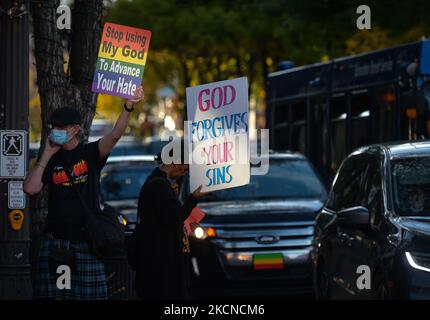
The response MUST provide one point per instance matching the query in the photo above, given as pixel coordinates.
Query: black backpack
(106, 233)
(104, 229)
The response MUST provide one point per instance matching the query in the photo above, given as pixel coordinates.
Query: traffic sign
(16, 196)
(13, 153)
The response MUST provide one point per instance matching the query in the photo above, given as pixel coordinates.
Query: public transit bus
(328, 109)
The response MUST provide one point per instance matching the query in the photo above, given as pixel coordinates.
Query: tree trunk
(56, 88)
(86, 21)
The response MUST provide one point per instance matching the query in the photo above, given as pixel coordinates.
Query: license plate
(268, 261)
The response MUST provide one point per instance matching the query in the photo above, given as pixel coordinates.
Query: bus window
(386, 113)
(415, 104)
(360, 115)
(338, 131)
(426, 92)
(298, 127)
(414, 114)
(280, 120)
(317, 139)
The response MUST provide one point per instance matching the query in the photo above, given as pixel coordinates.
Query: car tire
(323, 288)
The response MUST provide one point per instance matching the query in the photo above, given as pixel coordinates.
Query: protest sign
(218, 133)
(121, 60)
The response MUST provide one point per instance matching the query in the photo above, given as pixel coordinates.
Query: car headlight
(419, 261)
(199, 233)
(203, 233)
(123, 221)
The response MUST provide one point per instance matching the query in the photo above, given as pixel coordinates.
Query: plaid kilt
(88, 279)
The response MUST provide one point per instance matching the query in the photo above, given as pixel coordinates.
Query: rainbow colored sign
(121, 60)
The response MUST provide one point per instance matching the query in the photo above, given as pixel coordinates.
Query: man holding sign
(65, 240)
(218, 129)
(71, 171)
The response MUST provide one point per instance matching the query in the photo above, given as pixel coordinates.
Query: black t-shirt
(66, 214)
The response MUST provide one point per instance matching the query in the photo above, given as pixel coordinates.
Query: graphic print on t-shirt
(79, 174)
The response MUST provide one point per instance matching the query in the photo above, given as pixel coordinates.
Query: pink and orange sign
(195, 216)
(121, 60)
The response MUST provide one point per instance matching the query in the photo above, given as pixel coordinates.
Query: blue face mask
(59, 137)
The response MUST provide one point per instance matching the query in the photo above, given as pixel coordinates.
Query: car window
(346, 191)
(123, 183)
(411, 186)
(336, 189)
(129, 150)
(287, 178)
(372, 191)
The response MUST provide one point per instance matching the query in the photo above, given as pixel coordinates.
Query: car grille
(237, 244)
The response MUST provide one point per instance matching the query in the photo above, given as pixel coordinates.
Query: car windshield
(100, 129)
(156, 146)
(129, 150)
(411, 186)
(122, 182)
(286, 178)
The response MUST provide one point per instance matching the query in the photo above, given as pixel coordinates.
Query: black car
(126, 146)
(256, 239)
(120, 184)
(376, 224)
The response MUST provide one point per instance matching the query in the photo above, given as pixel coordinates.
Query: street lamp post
(15, 275)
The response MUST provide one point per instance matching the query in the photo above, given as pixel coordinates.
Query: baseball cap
(65, 116)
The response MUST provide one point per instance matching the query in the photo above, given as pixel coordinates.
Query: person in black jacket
(161, 242)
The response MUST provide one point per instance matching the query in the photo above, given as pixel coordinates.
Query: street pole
(15, 275)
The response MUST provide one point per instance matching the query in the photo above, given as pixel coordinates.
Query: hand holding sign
(198, 193)
(138, 96)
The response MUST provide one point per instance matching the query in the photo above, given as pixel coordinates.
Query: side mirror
(354, 217)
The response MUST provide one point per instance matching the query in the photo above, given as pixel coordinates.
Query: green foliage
(196, 41)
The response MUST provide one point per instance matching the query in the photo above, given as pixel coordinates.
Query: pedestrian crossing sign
(13, 155)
